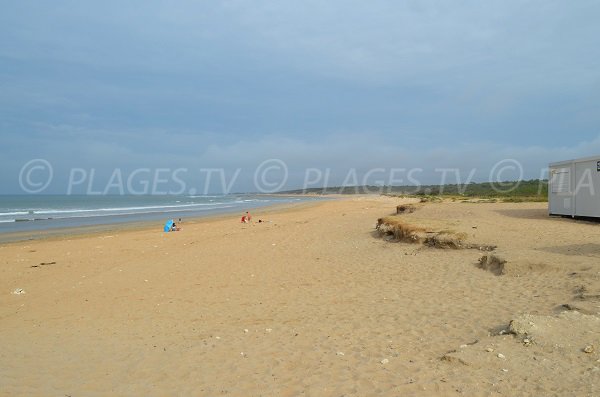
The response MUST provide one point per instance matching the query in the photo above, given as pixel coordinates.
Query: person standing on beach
(248, 217)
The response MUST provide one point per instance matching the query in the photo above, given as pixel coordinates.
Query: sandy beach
(311, 302)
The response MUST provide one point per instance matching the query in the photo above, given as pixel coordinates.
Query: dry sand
(312, 303)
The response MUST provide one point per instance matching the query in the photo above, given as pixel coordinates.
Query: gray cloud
(334, 84)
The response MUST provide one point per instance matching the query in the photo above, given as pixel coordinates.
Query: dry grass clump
(446, 239)
(398, 230)
(391, 226)
(405, 209)
(431, 199)
(401, 231)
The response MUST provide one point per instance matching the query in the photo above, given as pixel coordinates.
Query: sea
(28, 213)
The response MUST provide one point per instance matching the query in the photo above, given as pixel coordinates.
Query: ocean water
(42, 212)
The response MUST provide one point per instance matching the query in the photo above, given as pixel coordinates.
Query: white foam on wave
(14, 213)
(88, 215)
(46, 211)
(118, 209)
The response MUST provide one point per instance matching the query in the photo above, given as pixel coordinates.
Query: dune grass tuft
(446, 239)
(405, 209)
(392, 226)
(401, 231)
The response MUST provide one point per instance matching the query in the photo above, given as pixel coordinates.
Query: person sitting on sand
(244, 219)
(175, 228)
(248, 217)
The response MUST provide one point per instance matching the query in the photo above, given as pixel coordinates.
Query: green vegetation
(510, 191)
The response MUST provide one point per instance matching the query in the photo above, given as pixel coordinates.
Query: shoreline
(24, 216)
(147, 225)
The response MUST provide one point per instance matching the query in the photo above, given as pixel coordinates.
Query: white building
(574, 187)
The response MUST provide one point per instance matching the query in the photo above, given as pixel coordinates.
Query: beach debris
(485, 248)
(492, 263)
(574, 307)
(18, 291)
(501, 356)
(489, 350)
(517, 268)
(504, 370)
(385, 361)
(340, 353)
(217, 337)
(246, 330)
(589, 349)
(521, 326)
(268, 329)
(476, 341)
(527, 341)
(44, 264)
(452, 358)
(243, 354)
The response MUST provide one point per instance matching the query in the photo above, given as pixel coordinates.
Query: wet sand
(312, 302)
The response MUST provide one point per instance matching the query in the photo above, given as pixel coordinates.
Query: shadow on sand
(525, 213)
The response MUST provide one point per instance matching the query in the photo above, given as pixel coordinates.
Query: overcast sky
(325, 84)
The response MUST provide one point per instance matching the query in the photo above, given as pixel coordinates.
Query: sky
(335, 85)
